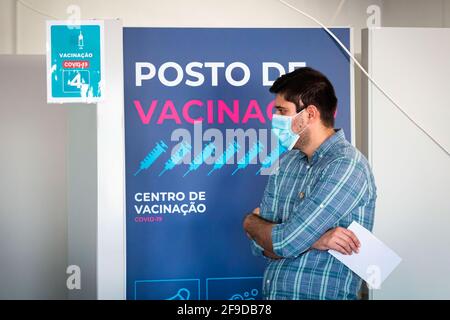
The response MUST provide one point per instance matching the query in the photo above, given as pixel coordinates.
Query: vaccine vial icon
(80, 40)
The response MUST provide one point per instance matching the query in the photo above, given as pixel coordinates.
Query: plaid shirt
(305, 199)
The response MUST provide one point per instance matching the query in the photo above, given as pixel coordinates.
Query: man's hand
(339, 239)
(256, 212)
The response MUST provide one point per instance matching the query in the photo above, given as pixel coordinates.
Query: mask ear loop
(292, 122)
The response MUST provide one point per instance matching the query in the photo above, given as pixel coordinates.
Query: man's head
(307, 91)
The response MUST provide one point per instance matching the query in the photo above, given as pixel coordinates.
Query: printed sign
(74, 62)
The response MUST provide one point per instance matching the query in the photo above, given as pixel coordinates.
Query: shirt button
(321, 206)
(307, 167)
(301, 195)
(268, 281)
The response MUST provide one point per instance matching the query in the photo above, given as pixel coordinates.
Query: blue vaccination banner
(199, 150)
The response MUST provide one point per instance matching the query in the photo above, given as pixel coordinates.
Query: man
(322, 184)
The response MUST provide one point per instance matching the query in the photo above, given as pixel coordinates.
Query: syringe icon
(270, 159)
(249, 156)
(151, 157)
(176, 157)
(233, 148)
(201, 157)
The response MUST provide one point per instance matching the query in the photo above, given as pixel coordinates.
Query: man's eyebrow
(279, 107)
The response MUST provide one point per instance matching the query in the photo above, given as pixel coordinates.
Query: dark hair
(306, 86)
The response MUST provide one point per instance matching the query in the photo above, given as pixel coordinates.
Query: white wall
(8, 27)
(62, 186)
(416, 13)
(218, 13)
(411, 172)
(95, 184)
(33, 217)
(111, 171)
(82, 201)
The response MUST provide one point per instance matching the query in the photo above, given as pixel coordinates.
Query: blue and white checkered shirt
(305, 199)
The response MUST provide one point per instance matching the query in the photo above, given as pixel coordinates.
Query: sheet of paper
(374, 262)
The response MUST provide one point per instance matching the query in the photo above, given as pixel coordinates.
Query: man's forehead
(281, 102)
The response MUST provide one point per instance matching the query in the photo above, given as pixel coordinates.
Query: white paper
(374, 262)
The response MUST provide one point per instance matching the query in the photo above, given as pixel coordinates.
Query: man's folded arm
(267, 215)
(336, 194)
(340, 189)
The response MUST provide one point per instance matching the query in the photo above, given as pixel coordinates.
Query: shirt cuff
(257, 246)
(258, 250)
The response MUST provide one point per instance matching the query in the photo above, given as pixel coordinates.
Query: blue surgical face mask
(282, 128)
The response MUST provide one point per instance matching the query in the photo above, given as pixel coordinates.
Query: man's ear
(313, 112)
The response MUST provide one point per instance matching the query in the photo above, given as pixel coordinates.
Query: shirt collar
(337, 137)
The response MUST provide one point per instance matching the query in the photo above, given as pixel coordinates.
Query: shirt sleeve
(341, 187)
(266, 212)
(268, 209)
(258, 251)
